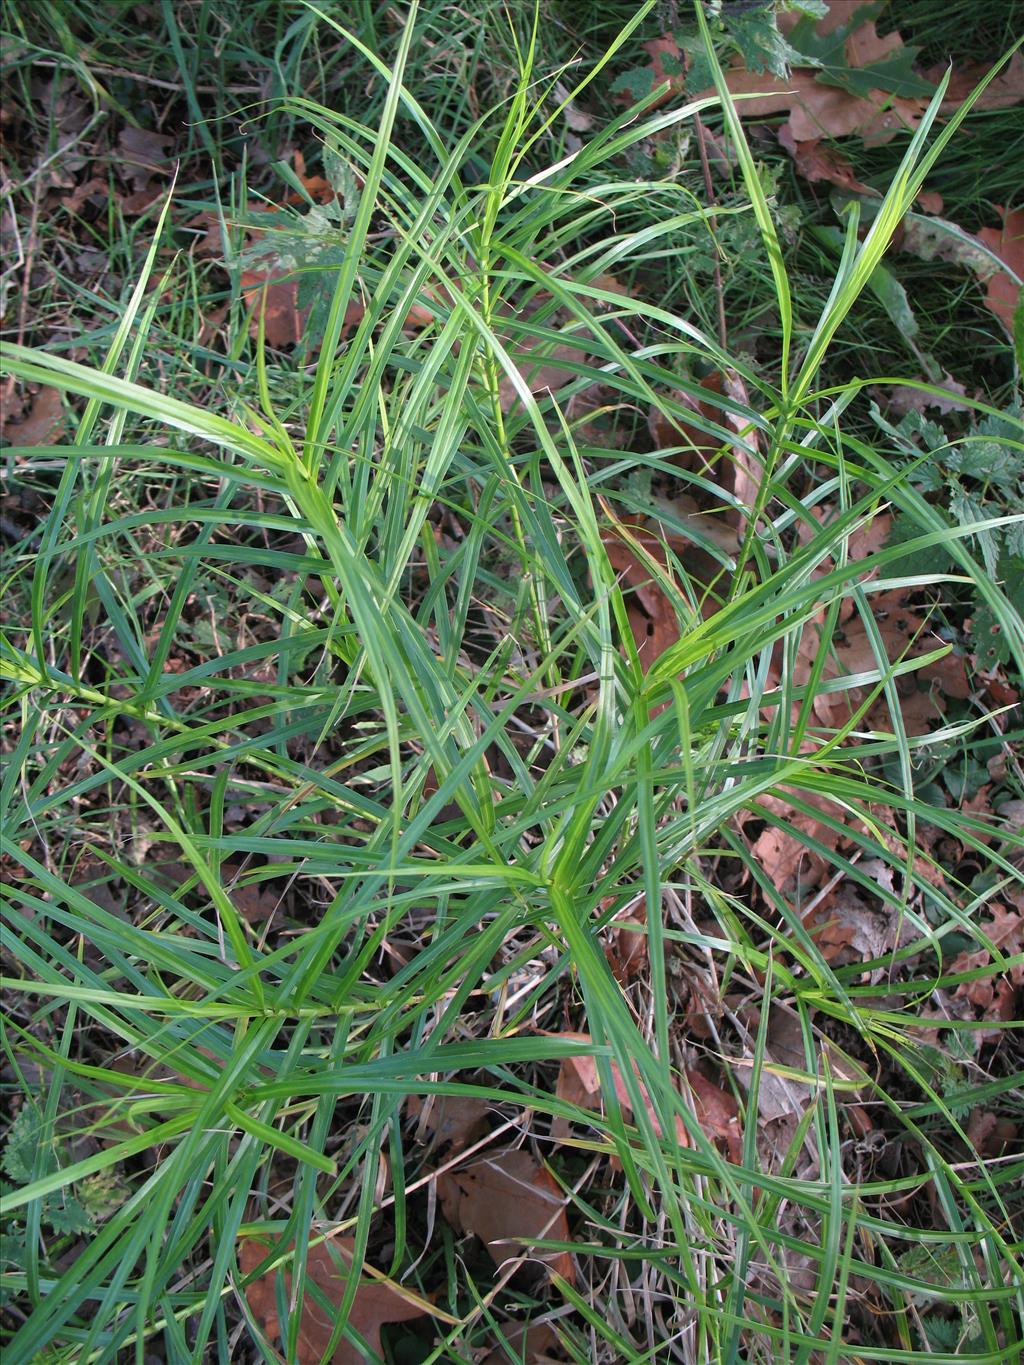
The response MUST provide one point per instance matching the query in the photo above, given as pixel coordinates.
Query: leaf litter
(377, 1302)
(487, 1197)
(507, 1198)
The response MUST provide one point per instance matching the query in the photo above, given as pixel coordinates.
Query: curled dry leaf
(141, 154)
(1002, 289)
(815, 160)
(936, 239)
(1003, 92)
(505, 1199)
(901, 398)
(377, 1302)
(716, 1111)
(745, 463)
(816, 105)
(626, 943)
(41, 425)
(455, 1121)
(668, 430)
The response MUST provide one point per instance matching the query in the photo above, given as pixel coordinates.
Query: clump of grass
(349, 630)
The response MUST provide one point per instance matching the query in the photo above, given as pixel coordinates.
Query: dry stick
(705, 166)
(27, 262)
(160, 85)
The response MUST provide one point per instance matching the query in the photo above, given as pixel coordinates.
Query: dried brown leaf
(816, 110)
(1006, 90)
(254, 901)
(779, 1096)
(541, 375)
(901, 399)
(376, 1302)
(667, 430)
(783, 851)
(85, 189)
(989, 1134)
(652, 616)
(140, 200)
(745, 464)
(504, 1198)
(41, 425)
(929, 201)
(1002, 290)
(142, 152)
(848, 930)
(905, 634)
(455, 1121)
(582, 1083)
(815, 160)
(940, 240)
(717, 1113)
(626, 944)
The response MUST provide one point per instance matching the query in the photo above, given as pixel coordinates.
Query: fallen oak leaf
(626, 944)
(455, 1121)
(815, 110)
(745, 464)
(717, 1113)
(814, 160)
(995, 255)
(1002, 92)
(376, 1302)
(579, 1082)
(506, 1198)
(904, 635)
(1003, 287)
(142, 153)
(847, 930)
(41, 425)
(855, 80)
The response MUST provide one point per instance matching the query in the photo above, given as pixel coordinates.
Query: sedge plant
(455, 743)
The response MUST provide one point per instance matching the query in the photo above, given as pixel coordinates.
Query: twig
(155, 80)
(705, 166)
